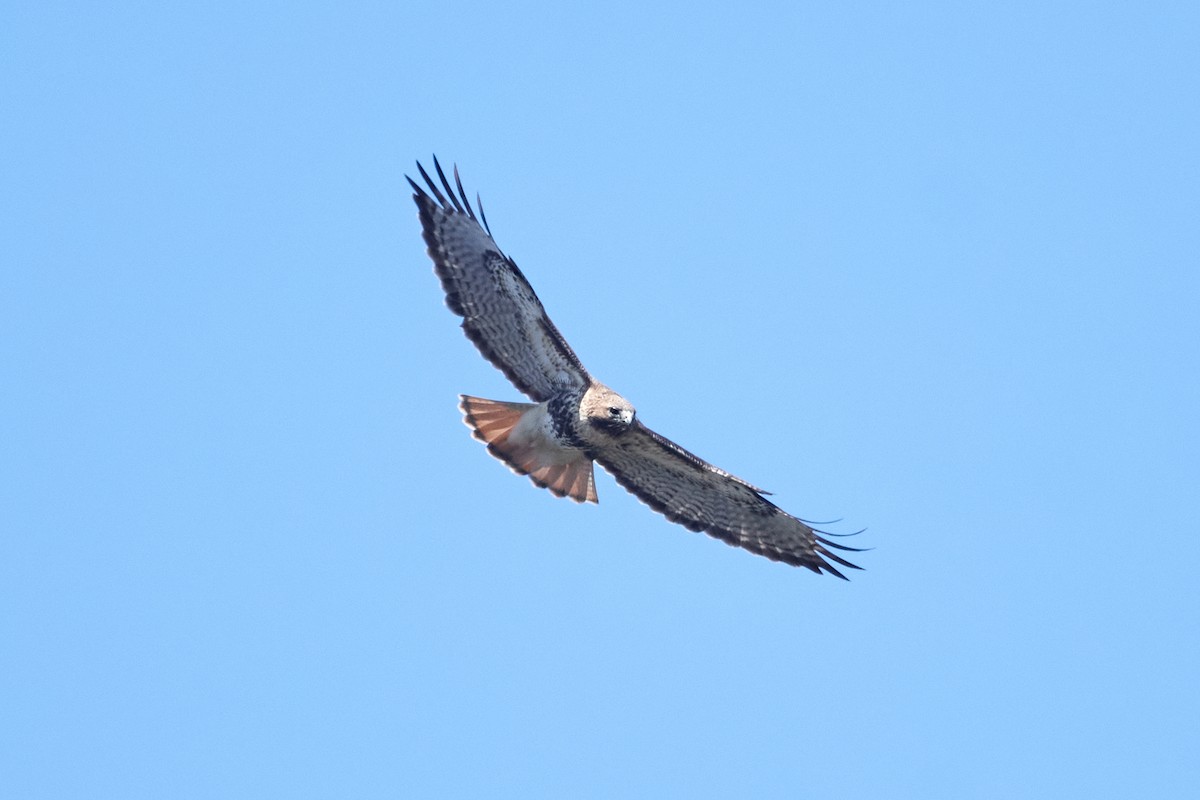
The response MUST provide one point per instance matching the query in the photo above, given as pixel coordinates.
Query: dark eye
(614, 412)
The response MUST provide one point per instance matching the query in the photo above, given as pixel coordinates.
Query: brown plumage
(574, 419)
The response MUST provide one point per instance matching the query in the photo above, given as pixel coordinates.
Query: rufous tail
(566, 473)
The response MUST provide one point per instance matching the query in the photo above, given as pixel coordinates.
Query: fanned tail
(566, 473)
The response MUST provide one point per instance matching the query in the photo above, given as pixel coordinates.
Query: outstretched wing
(501, 314)
(701, 497)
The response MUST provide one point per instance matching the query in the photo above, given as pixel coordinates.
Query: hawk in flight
(574, 419)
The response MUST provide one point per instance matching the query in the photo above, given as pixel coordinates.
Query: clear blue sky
(927, 268)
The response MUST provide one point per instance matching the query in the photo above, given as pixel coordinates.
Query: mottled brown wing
(501, 313)
(701, 497)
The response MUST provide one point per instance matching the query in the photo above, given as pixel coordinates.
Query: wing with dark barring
(501, 313)
(690, 491)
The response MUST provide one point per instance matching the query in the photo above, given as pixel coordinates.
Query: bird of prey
(574, 419)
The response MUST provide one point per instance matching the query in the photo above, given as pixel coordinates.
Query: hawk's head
(605, 410)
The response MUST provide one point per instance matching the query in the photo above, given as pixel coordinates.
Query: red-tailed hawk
(574, 419)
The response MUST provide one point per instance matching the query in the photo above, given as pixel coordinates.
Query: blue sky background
(928, 268)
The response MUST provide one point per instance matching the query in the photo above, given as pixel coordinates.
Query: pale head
(605, 410)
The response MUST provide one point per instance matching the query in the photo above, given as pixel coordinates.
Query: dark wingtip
(830, 570)
(432, 186)
(825, 554)
(418, 191)
(462, 194)
(820, 536)
(844, 547)
(446, 195)
(446, 185)
(482, 216)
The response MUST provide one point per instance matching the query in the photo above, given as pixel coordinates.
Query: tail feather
(566, 473)
(551, 475)
(584, 484)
